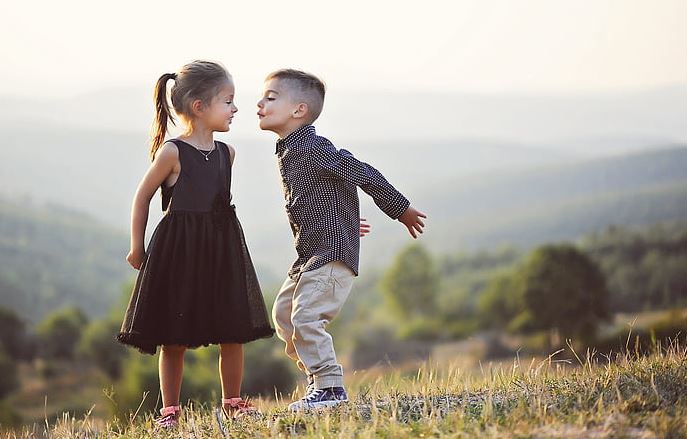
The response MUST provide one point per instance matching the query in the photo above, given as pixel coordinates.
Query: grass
(564, 395)
(71, 389)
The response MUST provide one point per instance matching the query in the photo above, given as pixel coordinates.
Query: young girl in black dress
(196, 285)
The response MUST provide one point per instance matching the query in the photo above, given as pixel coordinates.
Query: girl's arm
(232, 153)
(165, 163)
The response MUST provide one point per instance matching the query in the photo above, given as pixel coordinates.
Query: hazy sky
(64, 47)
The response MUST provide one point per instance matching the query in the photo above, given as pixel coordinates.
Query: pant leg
(281, 316)
(318, 297)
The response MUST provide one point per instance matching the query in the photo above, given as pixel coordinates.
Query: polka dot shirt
(320, 188)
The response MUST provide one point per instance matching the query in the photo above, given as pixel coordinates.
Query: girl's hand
(135, 258)
(411, 218)
(364, 227)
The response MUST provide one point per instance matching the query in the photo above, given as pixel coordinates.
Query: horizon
(647, 116)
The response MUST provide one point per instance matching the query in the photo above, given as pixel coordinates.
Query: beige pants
(302, 310)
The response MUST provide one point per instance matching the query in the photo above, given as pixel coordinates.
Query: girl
(196, 285)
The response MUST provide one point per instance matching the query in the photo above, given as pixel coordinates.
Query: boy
(320, 188)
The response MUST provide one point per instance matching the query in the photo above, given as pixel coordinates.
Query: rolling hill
(51, 257)
(549, 203)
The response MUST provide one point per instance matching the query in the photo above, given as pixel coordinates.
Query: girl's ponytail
(196, 80)
(162, 113)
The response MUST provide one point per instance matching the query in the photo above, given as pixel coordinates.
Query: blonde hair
(307, 87)
(196, 80)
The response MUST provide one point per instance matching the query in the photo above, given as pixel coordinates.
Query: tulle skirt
(197, 286)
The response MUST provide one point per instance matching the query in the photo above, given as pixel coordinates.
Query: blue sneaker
(320, 398)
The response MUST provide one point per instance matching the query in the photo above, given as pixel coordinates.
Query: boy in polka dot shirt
(320, 188)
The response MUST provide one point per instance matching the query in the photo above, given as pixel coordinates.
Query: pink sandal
(169, 417)
(238, 407)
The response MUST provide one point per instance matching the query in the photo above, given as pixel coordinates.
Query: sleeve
(332, 163)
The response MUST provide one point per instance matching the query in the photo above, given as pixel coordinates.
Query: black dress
(197, 285)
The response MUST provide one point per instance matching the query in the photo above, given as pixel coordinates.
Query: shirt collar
(293, 138)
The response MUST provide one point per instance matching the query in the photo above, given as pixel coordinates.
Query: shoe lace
(314, 395)
(169, 420)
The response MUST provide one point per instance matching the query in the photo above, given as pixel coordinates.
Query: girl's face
(218, 115)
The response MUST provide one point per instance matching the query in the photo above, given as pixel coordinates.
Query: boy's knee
(281, 318)
(281, 308)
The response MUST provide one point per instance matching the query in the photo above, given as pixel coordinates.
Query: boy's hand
(135, 258)
(364, 227)
(411, 219)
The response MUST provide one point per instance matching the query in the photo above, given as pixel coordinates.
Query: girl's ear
(197, 107)
(301, 110)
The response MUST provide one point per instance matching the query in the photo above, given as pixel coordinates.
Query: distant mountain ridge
(654, 115)
(559, 202)
(90, 151)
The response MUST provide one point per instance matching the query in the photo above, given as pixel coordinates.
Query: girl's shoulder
(232, 150)
(168, 151)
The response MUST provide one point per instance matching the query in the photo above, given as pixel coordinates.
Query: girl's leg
(231, 369)
(171, 373)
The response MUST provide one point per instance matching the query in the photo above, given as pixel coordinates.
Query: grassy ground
(565, 395)
(71, 389)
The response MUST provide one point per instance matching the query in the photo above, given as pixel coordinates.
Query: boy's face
(277, 109)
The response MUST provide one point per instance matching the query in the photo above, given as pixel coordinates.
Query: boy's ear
(300, 111)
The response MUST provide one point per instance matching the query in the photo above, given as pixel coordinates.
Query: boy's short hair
(307, 87)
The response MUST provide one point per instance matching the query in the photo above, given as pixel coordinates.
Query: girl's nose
(260, 103)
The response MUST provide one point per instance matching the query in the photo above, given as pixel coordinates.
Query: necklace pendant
(206, 158)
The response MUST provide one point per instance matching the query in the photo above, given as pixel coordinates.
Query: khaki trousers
(301, 312)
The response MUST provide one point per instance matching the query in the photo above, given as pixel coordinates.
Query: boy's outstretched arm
(341, 164)
(411, 218)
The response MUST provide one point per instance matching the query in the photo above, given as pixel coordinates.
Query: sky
(69, 47)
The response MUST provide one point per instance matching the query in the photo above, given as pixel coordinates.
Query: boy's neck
(284, 133)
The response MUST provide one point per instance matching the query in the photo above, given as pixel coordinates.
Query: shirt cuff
(396, 208)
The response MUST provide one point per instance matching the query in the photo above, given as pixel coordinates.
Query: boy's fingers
(421, 223)
(421, 214)
(412, 232)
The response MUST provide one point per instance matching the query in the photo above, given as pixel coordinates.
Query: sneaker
(238, 407)
(169, 417)
(311, 385)
(320, 398)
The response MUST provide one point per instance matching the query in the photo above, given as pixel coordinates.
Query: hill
(618, 396)
(525, 207)
(51, 256)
